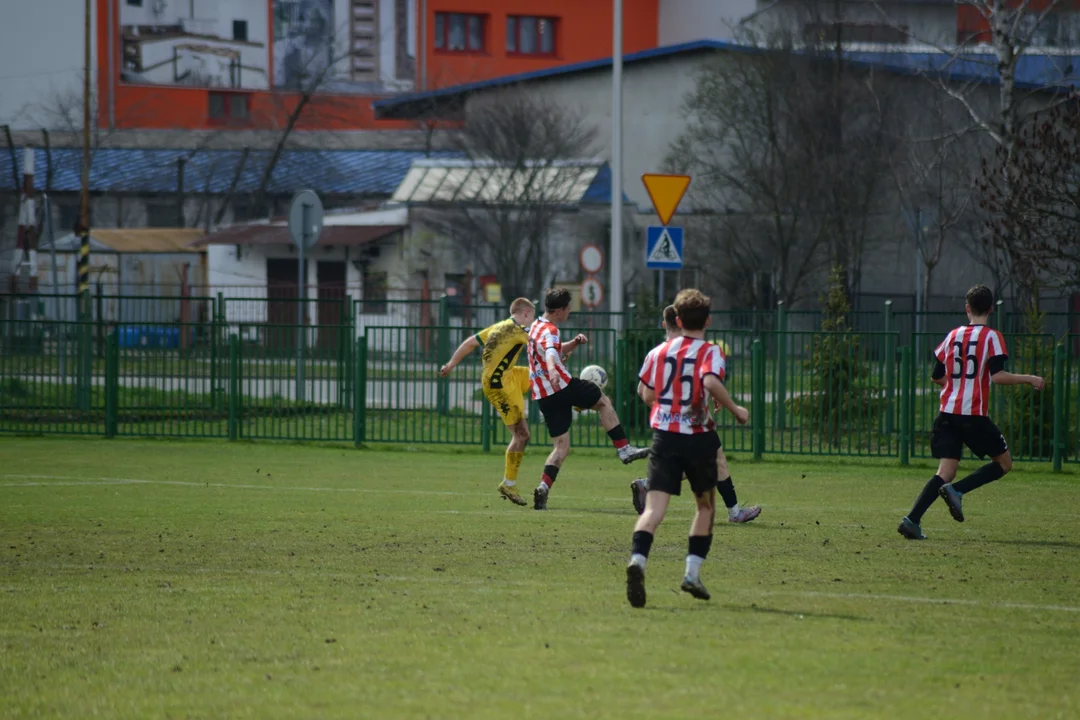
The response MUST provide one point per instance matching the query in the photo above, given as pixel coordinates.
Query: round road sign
(592, 259)
(305, 218)
(592, 292)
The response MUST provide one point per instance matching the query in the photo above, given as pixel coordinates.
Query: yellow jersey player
(504, 383)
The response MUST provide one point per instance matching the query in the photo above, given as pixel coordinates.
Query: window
(67, 214)
(459, 32)
(161, 214)
(135, 3)
(527, 35)
(856, 32)
(374, 295)
(229, 108)
(239, 30)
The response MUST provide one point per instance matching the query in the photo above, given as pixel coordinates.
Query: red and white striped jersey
(676, 372)
(543, 338)
(966, 353)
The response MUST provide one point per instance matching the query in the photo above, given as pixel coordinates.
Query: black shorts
(676, 454)
(952, 432)
(558, 409)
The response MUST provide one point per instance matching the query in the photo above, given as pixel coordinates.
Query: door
(281, 303)
(331, 280)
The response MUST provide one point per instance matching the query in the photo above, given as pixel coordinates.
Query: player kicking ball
(557, 393)
(504, 384)
(970, 358)
(676, 381)
(639, 488)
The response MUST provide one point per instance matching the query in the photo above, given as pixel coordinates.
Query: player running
(970, 358)
(675, 381)
(504, 383)
(557, 393)
(639, 488)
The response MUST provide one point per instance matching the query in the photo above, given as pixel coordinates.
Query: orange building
(319, 64)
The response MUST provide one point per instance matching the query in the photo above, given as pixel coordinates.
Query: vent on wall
(365, 40)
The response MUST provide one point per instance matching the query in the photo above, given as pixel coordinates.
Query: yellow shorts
(509, 400)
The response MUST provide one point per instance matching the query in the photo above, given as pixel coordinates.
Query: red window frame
(227, 117)
(515, 31)
(443, 27)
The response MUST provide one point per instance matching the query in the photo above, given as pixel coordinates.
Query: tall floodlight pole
(617, 303)
(84, 335)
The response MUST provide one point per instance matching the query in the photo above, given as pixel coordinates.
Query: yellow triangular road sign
(665, 191)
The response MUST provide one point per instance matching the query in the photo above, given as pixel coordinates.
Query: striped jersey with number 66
(676, 372)
(543, 340)
(966, 353)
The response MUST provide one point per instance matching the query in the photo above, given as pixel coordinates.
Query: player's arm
(569, 345)
(938, 376)
(551, 359)
(721, 396)
(646, 393)
(470, 344)
(1000, 376)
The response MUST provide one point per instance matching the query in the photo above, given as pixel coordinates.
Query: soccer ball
(596, 375)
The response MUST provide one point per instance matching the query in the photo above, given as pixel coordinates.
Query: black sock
(642, 543)
(726, 488)
(550, 473)
(986, 474)
(926, 498)
(618, 436)
(699, 545)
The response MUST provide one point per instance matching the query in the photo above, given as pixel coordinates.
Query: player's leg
(726, 488)
(511, 408)
(609, 420)
(984, 439)
(947, 446)
(701, 472)
(558, 412)
(665, 480)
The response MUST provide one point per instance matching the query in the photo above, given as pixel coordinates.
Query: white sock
(733, 511)
(693, 566)
(638, 559)
(509, 483)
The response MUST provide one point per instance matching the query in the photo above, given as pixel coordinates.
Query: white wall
(41, 56)
(687, 20)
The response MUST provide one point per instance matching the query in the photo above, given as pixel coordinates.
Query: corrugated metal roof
(339, 235)
(135, 240)
(568, 183)
(374, 172)
(1036, 69)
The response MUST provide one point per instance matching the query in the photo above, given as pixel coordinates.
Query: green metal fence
(843, 394)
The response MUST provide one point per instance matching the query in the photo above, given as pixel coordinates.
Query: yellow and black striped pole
(85, 362)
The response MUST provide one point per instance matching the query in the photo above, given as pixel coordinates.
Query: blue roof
(600, 189)
(1033, 70)
(363, 172)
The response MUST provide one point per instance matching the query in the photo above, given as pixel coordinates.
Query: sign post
(305, 226)
(664, 243)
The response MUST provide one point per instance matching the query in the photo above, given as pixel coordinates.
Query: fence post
(757, 392)
(234, 387)
(905, 404)
(890, 369)
(485, 425)
(443, 400)
(112, 384)
(1059, 405)
(780, 394)
(360, 391)
(346, 342)
(99, 302)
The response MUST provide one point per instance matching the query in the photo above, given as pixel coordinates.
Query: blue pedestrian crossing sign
(664, 248)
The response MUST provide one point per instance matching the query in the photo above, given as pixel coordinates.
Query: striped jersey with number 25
(966, 354)
(676, 372)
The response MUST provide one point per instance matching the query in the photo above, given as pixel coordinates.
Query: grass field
(210, 580)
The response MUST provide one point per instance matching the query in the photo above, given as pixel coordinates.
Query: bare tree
(523, 164)
(1032, 198)
(787, 149)
(933, 176)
